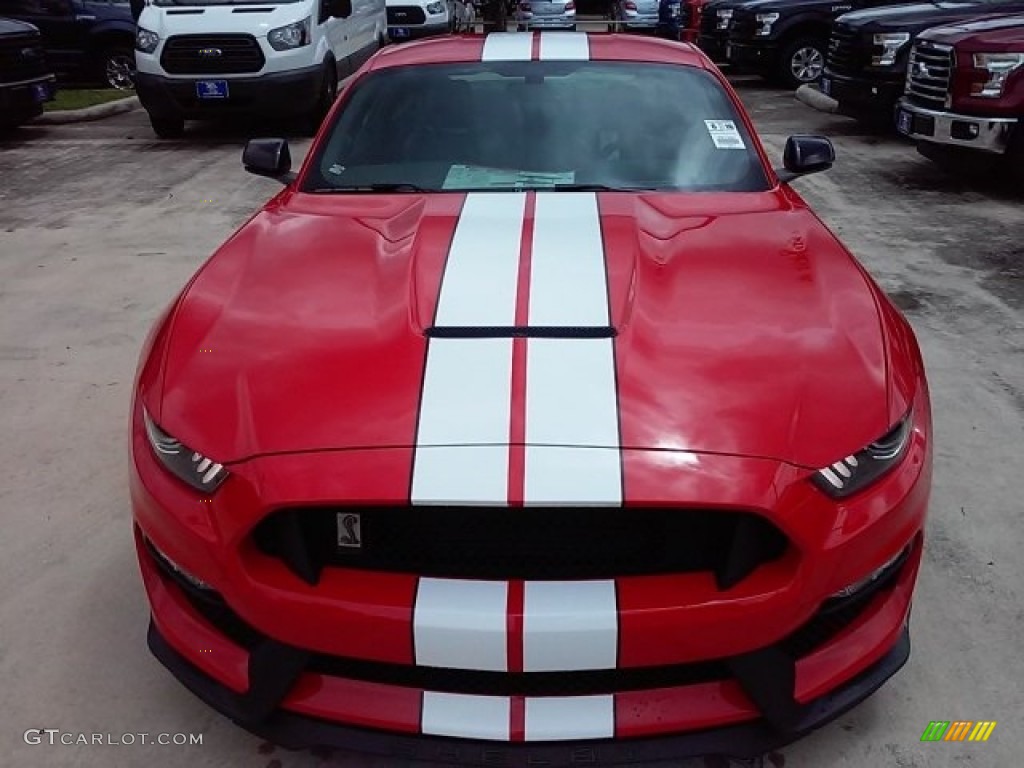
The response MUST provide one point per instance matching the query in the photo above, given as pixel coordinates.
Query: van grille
(212, 55)
(405, 14)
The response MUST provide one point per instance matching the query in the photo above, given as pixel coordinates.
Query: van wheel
(168, 127)
(801, 61)
(328, 93)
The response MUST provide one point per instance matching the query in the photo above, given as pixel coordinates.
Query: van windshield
(537, 125)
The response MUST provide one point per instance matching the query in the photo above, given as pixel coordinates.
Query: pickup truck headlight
(999, 66)
(145, 40)
(723, 17)
(764, 23)
(886, 47)
(290, 36)
(435, 8)
(189, 466)
(859, 470)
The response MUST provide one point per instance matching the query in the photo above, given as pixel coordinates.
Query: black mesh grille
(212, 55)
(405, 14)
(525, 542)
(845, 54)
(929, 71)
(743, 25)
(21, 58)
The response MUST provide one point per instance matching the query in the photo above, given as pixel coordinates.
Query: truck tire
(801, 61)
(1015, 158)
(117, 67)
(168, 127)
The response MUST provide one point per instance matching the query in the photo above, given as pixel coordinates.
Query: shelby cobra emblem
(349, 534)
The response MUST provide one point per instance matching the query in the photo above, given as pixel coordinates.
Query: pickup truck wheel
(168, 127)
(1015, 154)
(802, 61)
(118, 64)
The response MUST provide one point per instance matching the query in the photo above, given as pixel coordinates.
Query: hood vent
(253, 10)
(520, 332)
(186, 12)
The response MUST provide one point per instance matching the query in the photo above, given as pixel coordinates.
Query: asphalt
(101, 224)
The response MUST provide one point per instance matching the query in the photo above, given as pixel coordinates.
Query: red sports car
(536, 421)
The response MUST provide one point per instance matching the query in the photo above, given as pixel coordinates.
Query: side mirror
(339, 9)
(806, 154)
(269, 157)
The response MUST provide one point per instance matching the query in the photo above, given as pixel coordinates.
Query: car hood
(14, 27)
(920, 16)
(788, 6)
(256, 19)
(998, 33)
(742, 326)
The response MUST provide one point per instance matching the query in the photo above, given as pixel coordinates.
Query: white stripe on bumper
(570, 626)
(467, 717)
(461, 624)
(563, 718)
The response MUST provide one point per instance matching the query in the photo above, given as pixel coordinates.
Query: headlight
(887, 46)
(201, 473)
(145, 40)
(291, 36)
(764, 23)
(859, 470)
(999, 66)
(724, 15)
(435, 8)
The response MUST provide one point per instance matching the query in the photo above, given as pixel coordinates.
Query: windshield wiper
(378, 187)
(595, 188)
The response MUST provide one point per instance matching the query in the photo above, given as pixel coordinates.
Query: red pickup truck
(964, 97)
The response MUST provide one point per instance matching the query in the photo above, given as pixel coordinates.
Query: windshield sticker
(479, 177)
(724, 134)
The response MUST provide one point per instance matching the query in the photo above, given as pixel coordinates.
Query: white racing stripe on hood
(465, 406)
(564, 46)
(507, 46)
(571, 397)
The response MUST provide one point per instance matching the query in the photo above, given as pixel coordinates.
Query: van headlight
(145, 40)
(859, 470)
(195, 469)
(435, 8)
(290, 36)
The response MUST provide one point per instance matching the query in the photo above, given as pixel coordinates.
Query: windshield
(537, 125)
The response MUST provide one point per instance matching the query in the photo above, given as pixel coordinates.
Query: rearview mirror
(806, 154)
(339, 9)
(270, 158)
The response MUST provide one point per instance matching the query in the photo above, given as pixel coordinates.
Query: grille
(742, 25)
(845, 54)
(406, 14)
(709, 22)
(21, 59)
(928, 73)
(525, 543)
(194, 55)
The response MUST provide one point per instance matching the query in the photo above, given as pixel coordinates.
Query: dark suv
(25, 79)
(85, 40)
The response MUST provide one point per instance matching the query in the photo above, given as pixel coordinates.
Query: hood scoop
(520, 332)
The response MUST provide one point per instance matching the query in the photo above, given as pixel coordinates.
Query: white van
(200, 59)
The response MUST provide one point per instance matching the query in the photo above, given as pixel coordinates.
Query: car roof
(543, 46)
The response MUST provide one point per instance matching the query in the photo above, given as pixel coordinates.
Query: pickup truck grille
(845, 56)
(742, 25)
(211, 55)
(928, 74)
(405, 14)
(21, 58)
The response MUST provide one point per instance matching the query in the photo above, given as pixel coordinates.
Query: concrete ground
(100, 225)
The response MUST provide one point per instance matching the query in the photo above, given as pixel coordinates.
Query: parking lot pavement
(100, 225)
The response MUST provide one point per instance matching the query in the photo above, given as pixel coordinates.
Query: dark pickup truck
(786, 40)
(866, 64)
(85, 40)
(25, 78)
(964, 101)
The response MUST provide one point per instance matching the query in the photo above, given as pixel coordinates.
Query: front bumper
(284, 94)
(532, 21)
(984, 134)
(399, 32)
(752, 55)
(862, 97)
(713, 45)
(23, 100)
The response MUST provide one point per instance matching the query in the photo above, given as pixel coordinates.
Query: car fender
(109, 31)
(808, 23)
